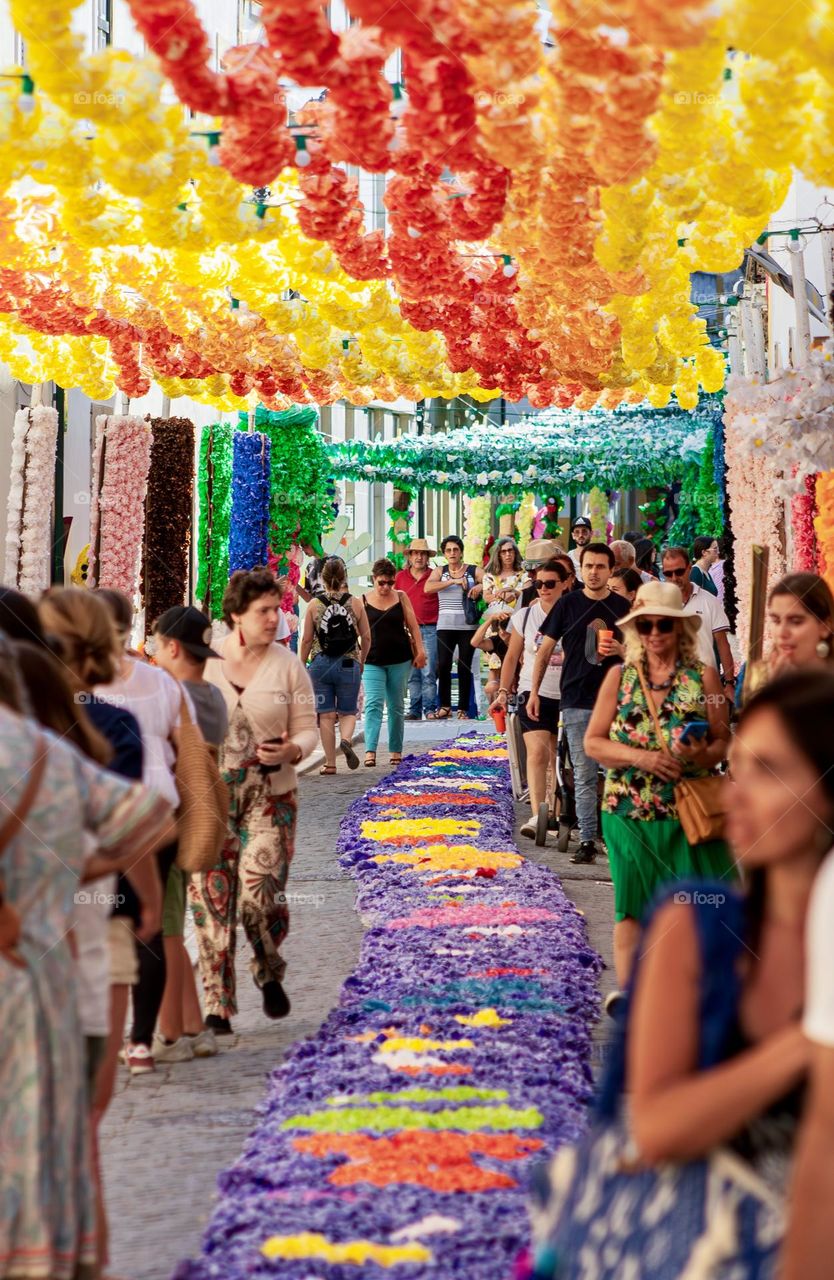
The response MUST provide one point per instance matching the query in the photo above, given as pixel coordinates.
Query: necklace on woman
(663, 684)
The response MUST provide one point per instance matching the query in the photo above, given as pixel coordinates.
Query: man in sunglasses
(586, 623)
(713, 635)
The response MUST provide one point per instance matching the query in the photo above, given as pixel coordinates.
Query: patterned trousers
(248, 884)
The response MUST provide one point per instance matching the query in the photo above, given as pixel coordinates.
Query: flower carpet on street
(400, 1138)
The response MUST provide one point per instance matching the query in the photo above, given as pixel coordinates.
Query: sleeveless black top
(389, 639)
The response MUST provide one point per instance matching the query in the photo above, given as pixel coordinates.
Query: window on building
(248, 21)
(102, 23)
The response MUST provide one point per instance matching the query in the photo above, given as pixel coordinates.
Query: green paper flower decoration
(214, 488)
(564, 450)
(300, 505)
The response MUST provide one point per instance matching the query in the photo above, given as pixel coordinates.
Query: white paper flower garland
(788, 421)
(117, 515)
(757, 515)
(29, 510)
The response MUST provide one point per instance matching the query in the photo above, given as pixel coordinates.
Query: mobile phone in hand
(695, 731)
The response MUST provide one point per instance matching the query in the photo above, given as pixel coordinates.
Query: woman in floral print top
(631, 792)
(647, 846)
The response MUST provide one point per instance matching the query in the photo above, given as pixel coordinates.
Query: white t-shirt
(154, 698)
(713, 618)
(532, 640)
(574, 554)
(818, 1018)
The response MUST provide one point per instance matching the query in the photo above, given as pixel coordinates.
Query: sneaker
(586, 853)
(204, 1043)
(528, 829)
(139, 1059)
(350, 755)
(276, 1001)
(220, 1026)
(180, 1050)
(414, 715)
(614, 1004)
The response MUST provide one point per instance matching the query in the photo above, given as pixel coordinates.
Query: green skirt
(644, 856)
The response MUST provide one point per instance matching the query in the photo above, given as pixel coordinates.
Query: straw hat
(660, 600)
(540, 551)
(420, 544)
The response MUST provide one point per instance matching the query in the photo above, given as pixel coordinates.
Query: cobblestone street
(167, 1136)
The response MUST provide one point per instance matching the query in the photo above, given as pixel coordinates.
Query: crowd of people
(102, 746)
(723, 886)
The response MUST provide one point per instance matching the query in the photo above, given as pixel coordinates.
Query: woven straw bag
(204, 800)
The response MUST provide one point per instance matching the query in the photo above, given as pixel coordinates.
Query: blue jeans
(585, 770)
(422, 685)
(385, 686)
(335, 683)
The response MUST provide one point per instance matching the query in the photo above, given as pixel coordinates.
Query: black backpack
(336, 632)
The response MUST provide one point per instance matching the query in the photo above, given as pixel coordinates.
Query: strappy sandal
(327, 769)
(443, 713)
(396, 758)
(431, 715)
(463, 715)
(370, 759)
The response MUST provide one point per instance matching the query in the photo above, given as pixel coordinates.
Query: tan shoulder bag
(203, 814)
(701, 802)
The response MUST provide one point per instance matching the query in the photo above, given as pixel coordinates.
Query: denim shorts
(336, 683)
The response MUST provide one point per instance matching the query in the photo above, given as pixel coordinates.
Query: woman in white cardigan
(272, 727)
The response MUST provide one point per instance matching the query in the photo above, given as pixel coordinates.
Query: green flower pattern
(630, 793)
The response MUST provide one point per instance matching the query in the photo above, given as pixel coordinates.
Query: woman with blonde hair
(661, 692)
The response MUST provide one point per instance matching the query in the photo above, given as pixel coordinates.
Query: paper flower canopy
(544, 209)
(566, 450)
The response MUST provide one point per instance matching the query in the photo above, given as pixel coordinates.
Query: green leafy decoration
(214, 487)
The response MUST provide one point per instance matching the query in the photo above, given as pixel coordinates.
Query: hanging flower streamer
(117, 515)
(250, 501)
(476, 527)
(598, 513)
(524, 518)
(803, 515)
(756, 515)
(215, 509)
(168, 516)
(30, 502)
(824, 525)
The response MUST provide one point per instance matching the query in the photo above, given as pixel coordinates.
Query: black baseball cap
(581, 522)
(188, 625)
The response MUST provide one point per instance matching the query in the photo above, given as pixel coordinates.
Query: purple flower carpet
(399, 1139)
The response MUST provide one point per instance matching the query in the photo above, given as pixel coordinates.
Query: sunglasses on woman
(547, 584)
(385, 582)
(645, 626)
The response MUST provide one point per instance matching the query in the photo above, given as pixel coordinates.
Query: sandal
(396, 758)
(431, 715)
(463, 715)
(443, 713)
(370, 759)
(327, 769)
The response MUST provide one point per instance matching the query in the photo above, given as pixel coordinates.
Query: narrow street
(167, 1136)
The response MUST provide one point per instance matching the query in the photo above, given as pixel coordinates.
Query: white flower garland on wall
(29, 509)
(757, 514)
(788, 421)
